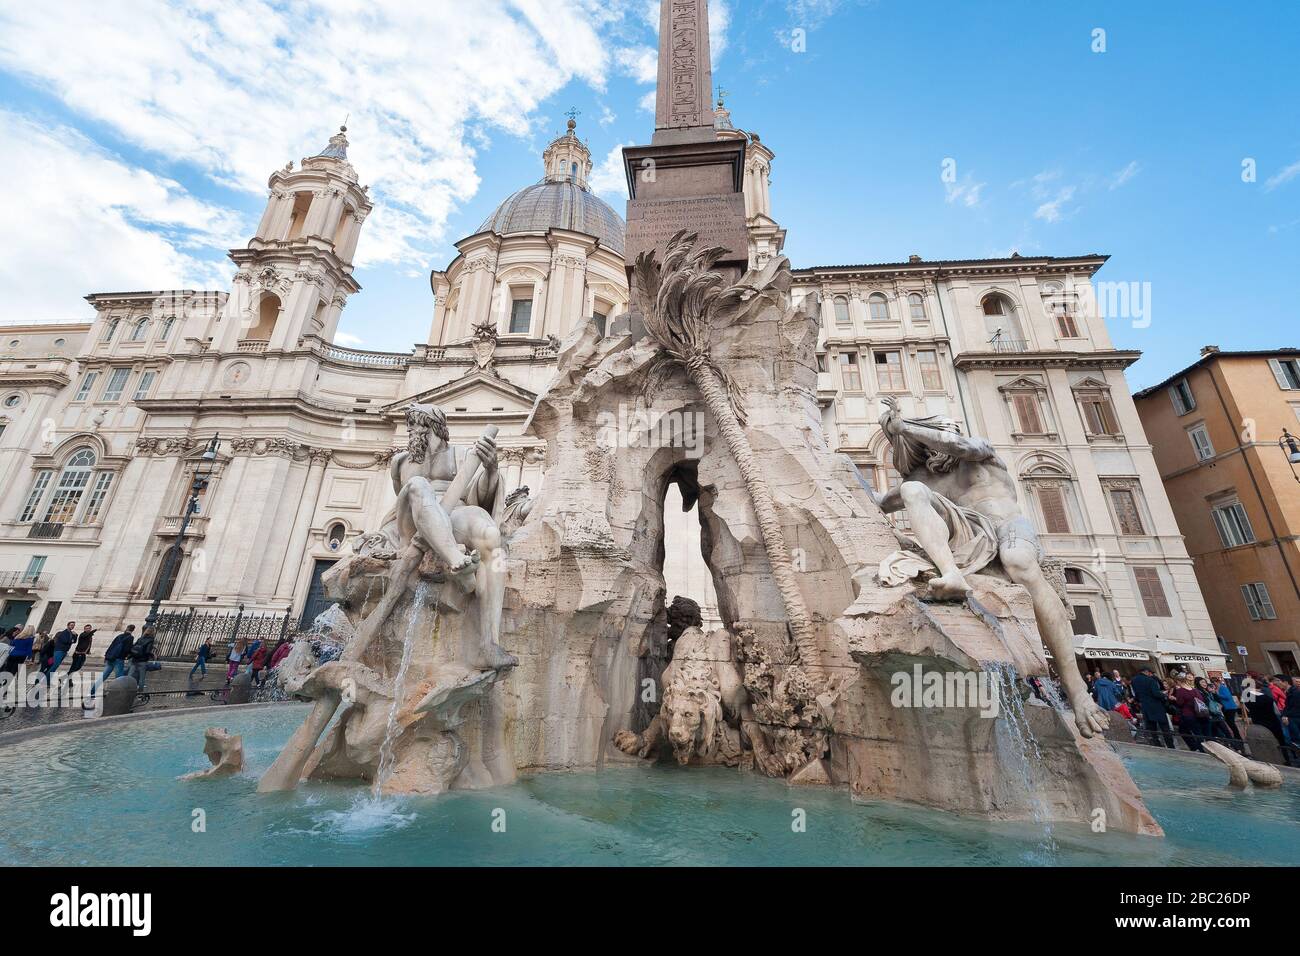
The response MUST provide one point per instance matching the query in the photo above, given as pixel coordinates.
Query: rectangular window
(1026, 405)
(1126, 511)
(850, 377)
(116, 384)
(66, 497)
(95, 504)
(143, 386)
(1287, 373)
(521, 316)
(1056, 519)
(1084, 622)
(1233, 525)
(1066, 327)
(35, 565)
(35, 495)
(1098, 415)
(1152, 591)
(1180, 393)
(87, 383)
(931, 379)
(889, 371)
(1200, 436)
(1258, 603)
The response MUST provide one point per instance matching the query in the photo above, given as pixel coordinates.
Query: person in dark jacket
(140, 656)
(201, 659)
(1291, 714)
(1193, 714)
(63, 642)
(1150, 696)
(45, 650)
(82, 649)
(116, 654)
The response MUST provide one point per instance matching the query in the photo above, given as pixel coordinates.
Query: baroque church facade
(105, 424)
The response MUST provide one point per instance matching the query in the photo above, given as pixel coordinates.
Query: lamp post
(199, 482)
(1290, 446)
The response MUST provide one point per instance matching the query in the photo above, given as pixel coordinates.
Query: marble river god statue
(415, 681)
(961, 503)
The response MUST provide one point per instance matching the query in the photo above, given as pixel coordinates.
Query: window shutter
(1279, 374)
(1055, 518)
(1244, 531)
(1248, 593)
(1266, 609)
(1152, 591)
(1027, 413)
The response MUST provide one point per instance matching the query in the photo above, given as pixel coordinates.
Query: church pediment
(478, 393)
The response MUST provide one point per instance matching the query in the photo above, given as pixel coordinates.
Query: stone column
(318, 460)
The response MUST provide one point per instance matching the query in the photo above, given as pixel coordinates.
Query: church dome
(558, 205)
(562, 200)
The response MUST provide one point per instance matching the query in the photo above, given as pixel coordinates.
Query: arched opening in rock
(686, 574)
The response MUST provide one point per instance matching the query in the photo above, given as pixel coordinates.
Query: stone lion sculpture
(704, 708)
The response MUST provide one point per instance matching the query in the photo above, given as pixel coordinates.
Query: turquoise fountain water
(109, 796)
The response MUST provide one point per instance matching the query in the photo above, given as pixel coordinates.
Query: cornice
(1113, 358)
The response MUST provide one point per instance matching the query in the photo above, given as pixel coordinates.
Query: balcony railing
(46, 529)
(252, 345)
(357, 357)
(24, 580)
(1009, 345)
(171, 524)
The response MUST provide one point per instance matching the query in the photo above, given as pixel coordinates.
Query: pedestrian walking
(201, 659)
(1151, 699)
(79, 652)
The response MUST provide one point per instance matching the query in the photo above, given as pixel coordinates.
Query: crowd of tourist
(1199, 708)
(128, 654)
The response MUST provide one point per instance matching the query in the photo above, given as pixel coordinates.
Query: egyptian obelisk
(686, 178)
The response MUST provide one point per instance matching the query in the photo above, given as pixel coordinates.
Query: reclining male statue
(460, 533)
(957, 493)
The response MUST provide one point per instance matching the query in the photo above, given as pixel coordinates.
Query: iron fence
(180, 633)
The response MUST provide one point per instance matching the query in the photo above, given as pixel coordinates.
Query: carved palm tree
(679, 302)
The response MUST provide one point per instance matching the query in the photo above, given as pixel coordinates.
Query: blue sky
(140, 135)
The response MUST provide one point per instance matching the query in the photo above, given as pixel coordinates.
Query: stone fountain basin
(623, 816)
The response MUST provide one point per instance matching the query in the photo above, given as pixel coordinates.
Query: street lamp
(1291, 448)
(202, 474)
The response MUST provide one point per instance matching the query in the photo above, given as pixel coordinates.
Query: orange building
(1223, 432)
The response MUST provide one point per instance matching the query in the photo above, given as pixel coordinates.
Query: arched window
(70, 487)
(841, 310)
(139, 331)
(1002, 324)
(879, 307)
(335, 535)
(168, 571)
(110, 329)
(166, 328)
(268, 310)
(916, 307)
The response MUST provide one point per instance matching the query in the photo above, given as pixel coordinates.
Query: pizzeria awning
(1179, 652)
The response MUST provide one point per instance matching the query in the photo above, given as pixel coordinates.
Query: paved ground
(167, 689)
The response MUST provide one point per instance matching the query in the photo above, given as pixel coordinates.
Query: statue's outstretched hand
(486, 449)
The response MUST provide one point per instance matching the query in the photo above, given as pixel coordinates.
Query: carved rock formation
(224, 751)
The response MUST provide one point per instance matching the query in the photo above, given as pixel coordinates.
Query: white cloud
(347, 340)
(89, 222)
(608, 178)
(1125, 174)
(1050, 211)
(641, 63)
(1285, 176)
(235, 90)
(647, 103)
(965, 191)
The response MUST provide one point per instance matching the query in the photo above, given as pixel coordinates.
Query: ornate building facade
(110, 421)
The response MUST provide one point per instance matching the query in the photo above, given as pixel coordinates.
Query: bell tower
(295, 274)
(567, 159)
